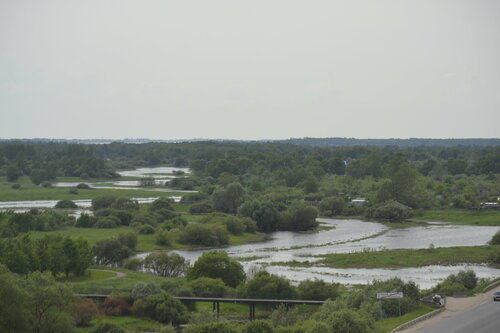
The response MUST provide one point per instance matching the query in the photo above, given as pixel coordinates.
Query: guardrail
(418, 319)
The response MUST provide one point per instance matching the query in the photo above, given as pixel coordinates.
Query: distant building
(358, 201)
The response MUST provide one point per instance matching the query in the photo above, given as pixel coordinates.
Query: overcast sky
(249, 69)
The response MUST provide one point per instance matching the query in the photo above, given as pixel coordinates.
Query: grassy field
(89, 284)
(30, 191)
(462, 216)
(93, 275)
(388, 324)
(394, 259)
(145, 243)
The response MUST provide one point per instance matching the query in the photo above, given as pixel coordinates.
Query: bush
(191, 197)
(331, 206)
(205, 235)
(83, 311)
(73, 191)
(176, 222)
(16, 186)
(125, 204)
(145, 289)
(215, 327)
(285, 317)
(393, 211)
(495, 257)
(162, 203)
(115, 307)
(317, 290)
(319, 327)
(83, 186)
(125, 217)
(102, 202)
(495, 240)
(85, 221)
(200, 208)
(166, 264)
(107, 222)
(299, 217)
(133, 264)
(143, 218)
(348, 321)
(258, 326)
(166, 309)
(65, 204)
(208, 287)
(162, 237)
(467, 278)
(265, 285)
(128, 239)
(107, 328)
(146, 229)
(448, 288)
(110, 252)
(217, 264)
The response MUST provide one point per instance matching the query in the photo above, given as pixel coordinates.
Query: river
(354, 236)
(344, 236)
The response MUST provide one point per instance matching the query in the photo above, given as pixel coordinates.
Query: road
(484, 318)
(479, 309)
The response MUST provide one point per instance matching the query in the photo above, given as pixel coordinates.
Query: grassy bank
(461, 216)
(394, 259)
(388, 324)
(89, 284)
(145, 243)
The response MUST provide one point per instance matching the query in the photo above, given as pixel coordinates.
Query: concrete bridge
(216, 302)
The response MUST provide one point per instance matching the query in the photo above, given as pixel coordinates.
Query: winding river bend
(344, 236)
(354, 236)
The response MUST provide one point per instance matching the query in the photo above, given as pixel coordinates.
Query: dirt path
(117, 276)
(454, 306)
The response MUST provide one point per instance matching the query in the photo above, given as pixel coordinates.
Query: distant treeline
(46, 161)
(412, 142)
(317, 142)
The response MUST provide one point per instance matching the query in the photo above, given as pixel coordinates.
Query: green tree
(13, 173)
(332, 206)
(217, 264)
(13, 301)
(65, 204)
(401, 182)
(228, 199)
(48, 304)
(265, 285)
(299, 217)
(311, 185)
(318, 290)
(166, 309)
(110, 252)
(348, 321)
(145, 289)
(166, 264)
(128, 239)
(393, 211)
(208, 287)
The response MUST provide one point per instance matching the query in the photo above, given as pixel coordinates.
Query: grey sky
(246, 69)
